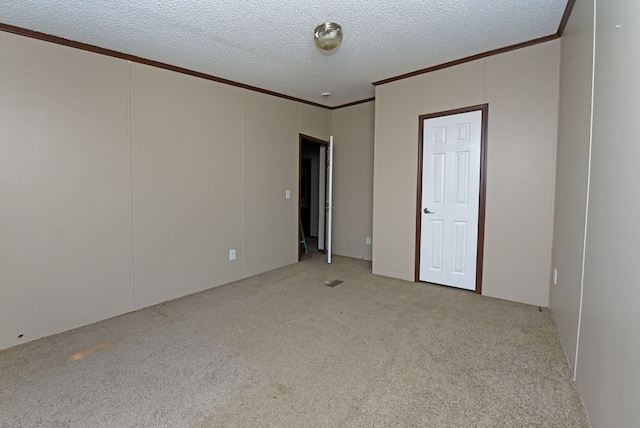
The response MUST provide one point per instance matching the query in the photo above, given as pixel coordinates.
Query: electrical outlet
(232, 254)
(287, 194)
(555, 276)
(368, 240)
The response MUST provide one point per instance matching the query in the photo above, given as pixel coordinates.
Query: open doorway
(312, 196)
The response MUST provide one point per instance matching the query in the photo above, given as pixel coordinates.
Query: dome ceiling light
(328, 36)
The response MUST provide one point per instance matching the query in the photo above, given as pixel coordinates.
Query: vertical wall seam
(586, 210)
(133, 283)
(555, 175)
(244, 228)
(296, 251)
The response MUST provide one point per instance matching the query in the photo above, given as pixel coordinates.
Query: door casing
(314, 140)
(484, 108)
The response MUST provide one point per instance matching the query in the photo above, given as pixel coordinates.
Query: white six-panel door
(450, 196)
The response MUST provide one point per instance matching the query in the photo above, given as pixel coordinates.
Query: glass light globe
(328, 36)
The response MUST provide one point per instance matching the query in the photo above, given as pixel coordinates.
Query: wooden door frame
(484, 108)
(301, 138)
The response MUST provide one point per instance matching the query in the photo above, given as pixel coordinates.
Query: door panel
(459, 247)
(462, 178)
(438, 178)
(437, 227)
(450, 199)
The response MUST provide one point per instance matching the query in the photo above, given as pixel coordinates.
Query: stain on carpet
(168, 378)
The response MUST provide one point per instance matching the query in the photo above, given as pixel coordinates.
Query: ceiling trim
(120, 55)
(565, 17)
(115, 54)
(468, 59)
(557, 35)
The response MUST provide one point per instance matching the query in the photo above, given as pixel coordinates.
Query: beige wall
(352, 129)
(609, 342)
(271, 167)
(187, 184)
(315, 121)
(123, 185)
(595, 304)
(572, 172)
(522, 92)
(521, 89)
(65, 232)
(398, 105)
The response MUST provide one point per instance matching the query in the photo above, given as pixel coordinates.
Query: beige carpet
(283, 350)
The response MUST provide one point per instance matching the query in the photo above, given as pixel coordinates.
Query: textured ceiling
(269, 44)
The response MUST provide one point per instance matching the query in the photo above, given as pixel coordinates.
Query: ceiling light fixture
(328, 36)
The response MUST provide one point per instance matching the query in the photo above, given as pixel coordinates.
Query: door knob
(428, 211)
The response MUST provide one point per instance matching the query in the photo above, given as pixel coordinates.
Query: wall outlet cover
(232, 254)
